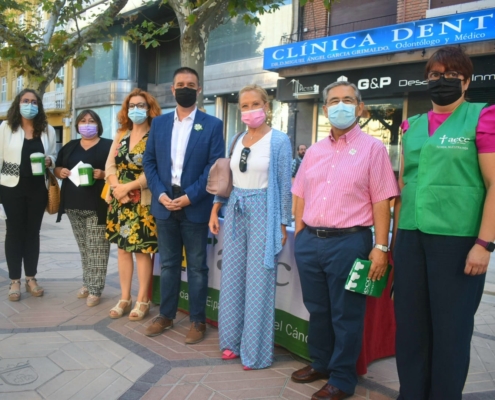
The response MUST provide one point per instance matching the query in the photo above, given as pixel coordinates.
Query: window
(445, 3)
(3, 93)
(117, 64)
(236, 41)
(19, 84)
(59, 86)
(22, 20)
(168, 61)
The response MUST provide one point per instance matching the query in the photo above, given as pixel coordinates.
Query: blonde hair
(255, 88)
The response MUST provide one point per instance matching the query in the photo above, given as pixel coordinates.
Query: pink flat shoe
(229, 355)
(246, 368)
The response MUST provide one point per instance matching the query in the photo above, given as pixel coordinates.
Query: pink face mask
(253, 118)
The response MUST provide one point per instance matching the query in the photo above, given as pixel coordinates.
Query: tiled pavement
(55, 347)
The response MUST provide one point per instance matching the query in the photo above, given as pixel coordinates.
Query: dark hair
(95, 116)
(185, 70)
(154, 109)
(14, 117)
(453, 58)
(298, 147)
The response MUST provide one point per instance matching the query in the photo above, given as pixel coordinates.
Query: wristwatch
(381, 247)
(490, 246)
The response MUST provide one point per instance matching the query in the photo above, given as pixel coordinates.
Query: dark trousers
(435, 303)
(336, 315)
(25, 206)
(174, 233)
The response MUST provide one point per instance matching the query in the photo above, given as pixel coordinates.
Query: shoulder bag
(53, 193)
(220, 175)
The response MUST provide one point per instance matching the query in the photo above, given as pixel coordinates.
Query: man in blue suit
(182, 146)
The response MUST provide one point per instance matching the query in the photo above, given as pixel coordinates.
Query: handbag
(220, 175)
(105, 193)
(53, 193)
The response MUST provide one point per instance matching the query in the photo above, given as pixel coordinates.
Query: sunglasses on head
(243, 161)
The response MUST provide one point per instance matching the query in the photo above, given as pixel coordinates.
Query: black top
(83, 197)
(29, 147)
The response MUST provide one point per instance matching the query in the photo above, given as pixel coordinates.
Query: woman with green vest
(446, 228)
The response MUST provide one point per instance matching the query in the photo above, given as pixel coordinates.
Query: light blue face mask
(137, 116)
(342, 115)
(28, 110)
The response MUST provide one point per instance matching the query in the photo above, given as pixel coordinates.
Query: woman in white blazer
(23, 195)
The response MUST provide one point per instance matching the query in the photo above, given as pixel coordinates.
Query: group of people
(156, 171)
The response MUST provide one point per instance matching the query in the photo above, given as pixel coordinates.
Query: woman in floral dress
(129, 222)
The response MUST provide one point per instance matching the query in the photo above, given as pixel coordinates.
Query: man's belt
(328, 232)
(176, 189)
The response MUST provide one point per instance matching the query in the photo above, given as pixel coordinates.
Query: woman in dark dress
(83, 205)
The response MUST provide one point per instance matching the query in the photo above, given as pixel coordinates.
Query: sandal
(121, 311)
(15, 295)
(92, 300)
(83, 293)
(140, 313)
(229, 355)
(37, 291)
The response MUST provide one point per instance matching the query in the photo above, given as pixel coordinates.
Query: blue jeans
(174, 233)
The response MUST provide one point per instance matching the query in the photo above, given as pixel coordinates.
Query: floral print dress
(130, 225)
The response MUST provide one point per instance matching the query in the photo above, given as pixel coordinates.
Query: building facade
(348, 43)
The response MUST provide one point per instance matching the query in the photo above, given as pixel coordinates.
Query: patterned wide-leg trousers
(93, 246)
(247, 289)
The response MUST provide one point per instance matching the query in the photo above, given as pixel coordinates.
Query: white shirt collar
(191, 116)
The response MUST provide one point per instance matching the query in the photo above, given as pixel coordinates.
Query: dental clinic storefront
(387, 65)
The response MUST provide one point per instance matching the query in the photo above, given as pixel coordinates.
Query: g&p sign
(473, 26)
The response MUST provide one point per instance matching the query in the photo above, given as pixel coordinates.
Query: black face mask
(185, 97)
(445, 91)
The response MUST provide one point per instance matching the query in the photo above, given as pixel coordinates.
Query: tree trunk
(193, 55)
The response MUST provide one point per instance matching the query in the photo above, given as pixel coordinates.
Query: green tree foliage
(197, 19)
(53, 32)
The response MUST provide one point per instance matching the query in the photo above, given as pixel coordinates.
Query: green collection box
(358, 280)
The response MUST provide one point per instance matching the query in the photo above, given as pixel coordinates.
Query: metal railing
(308, 34)
(54, 100)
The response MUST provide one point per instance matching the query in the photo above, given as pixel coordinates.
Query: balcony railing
(308, 34)
(54, 100)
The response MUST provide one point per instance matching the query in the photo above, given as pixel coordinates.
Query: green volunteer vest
(444, 192)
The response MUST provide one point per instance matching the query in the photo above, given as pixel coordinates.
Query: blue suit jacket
(205, 146)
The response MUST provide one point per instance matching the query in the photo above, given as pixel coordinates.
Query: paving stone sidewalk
(55, 347)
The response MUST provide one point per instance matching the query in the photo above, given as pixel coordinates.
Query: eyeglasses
(346, 100)
(26, 101)
(435, 76)
(140, 106)
(243, 161)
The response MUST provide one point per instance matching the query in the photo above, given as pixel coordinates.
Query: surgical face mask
(445, 91)
(29, 111)
(342, 116)
(253, 118)
(137, 116)
(186, 97)
(88, 131)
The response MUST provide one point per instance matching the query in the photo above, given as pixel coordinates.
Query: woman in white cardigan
(23, 195)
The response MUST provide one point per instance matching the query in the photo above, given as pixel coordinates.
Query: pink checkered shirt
(340, 180)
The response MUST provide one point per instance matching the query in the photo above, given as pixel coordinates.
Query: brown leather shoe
(307, 375)
(329, 392)
(196, 333)
(158, 326)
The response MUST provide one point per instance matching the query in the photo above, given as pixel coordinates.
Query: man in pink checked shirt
(343, 187)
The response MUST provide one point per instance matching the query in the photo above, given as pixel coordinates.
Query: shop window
(117, 64)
